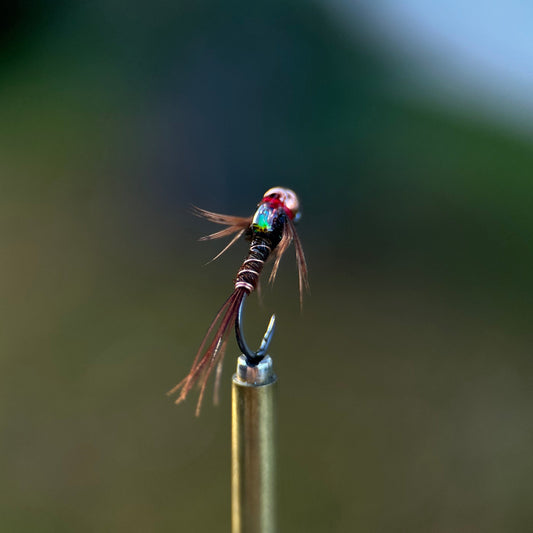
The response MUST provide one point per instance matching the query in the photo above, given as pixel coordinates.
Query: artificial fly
(270, 232)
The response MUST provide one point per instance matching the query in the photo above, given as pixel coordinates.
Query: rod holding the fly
(270, 232)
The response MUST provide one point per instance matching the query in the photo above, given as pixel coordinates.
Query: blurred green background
(405, 385)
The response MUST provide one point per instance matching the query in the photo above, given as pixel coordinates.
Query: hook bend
(253, 358)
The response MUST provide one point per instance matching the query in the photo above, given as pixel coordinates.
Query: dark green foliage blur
(405, 384)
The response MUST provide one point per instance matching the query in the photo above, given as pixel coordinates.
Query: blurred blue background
(405, 384)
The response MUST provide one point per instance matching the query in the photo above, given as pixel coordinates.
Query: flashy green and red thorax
(268, 213)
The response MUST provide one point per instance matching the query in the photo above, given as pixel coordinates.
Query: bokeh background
(406, 392)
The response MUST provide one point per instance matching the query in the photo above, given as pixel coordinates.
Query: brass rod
(253, 448)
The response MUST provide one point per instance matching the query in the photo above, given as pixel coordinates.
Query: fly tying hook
(253, 358)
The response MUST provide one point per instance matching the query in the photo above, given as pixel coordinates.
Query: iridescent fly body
(270, 232)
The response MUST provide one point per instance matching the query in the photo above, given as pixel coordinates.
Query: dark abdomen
(248, 275)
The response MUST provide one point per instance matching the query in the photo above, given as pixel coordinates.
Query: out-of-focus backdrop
(406, 389)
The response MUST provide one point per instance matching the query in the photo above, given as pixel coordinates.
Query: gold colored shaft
(253, 448)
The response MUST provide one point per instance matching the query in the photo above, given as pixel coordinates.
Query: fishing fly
(270, 231)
